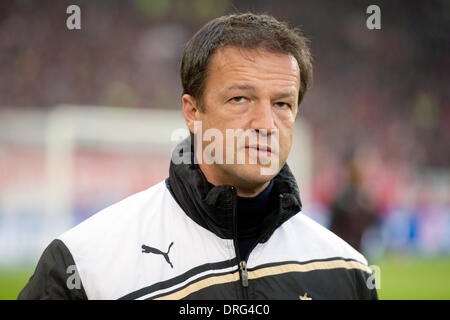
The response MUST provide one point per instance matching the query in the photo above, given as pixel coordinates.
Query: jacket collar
(213, 206)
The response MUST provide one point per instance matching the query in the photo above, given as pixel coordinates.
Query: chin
(251, 174)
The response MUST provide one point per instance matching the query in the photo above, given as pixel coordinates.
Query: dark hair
(247, 31)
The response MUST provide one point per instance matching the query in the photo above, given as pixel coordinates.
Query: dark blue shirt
(250, 214)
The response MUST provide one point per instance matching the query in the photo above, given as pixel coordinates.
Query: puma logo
(147, 249)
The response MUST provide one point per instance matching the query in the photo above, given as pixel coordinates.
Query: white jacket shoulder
(119, 216)
(325, 241)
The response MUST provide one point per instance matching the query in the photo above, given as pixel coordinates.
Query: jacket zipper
(243, 264)
(243, 274)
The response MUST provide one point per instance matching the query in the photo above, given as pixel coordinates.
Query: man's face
(250, 89)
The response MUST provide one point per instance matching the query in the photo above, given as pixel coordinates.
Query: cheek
(209, 121)
(221, 124)
(286, 134)
(213, 128)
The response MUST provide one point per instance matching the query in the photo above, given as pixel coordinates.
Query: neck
(244, 188)
(244, 192)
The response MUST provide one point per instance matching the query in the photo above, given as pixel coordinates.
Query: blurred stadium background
(87, 118)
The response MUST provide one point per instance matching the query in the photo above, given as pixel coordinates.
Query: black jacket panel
(55, 277)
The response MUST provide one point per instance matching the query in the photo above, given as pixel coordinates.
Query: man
(351, 212)
(221, 229)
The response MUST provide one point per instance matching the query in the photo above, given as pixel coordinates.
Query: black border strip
(179, 279)
(192, 282)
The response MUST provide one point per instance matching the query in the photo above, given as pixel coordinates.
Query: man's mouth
(260, 148)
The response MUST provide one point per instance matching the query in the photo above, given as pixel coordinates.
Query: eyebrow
(280, 95)
(286, 94)
(240, 87)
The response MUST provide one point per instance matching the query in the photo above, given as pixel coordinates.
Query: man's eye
(283, 105)
(237, 99)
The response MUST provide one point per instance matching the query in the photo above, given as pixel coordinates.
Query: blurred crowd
(379, 104)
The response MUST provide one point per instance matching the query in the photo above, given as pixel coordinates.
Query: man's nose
(262, 117)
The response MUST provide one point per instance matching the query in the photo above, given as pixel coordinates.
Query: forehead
(231, 63)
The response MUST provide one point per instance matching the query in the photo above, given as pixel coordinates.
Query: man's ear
(191, 111)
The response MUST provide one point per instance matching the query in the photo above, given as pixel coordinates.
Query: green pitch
(401, 278)
(13, 280)
(407, 278)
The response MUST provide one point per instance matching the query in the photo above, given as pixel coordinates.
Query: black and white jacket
(177, 240)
